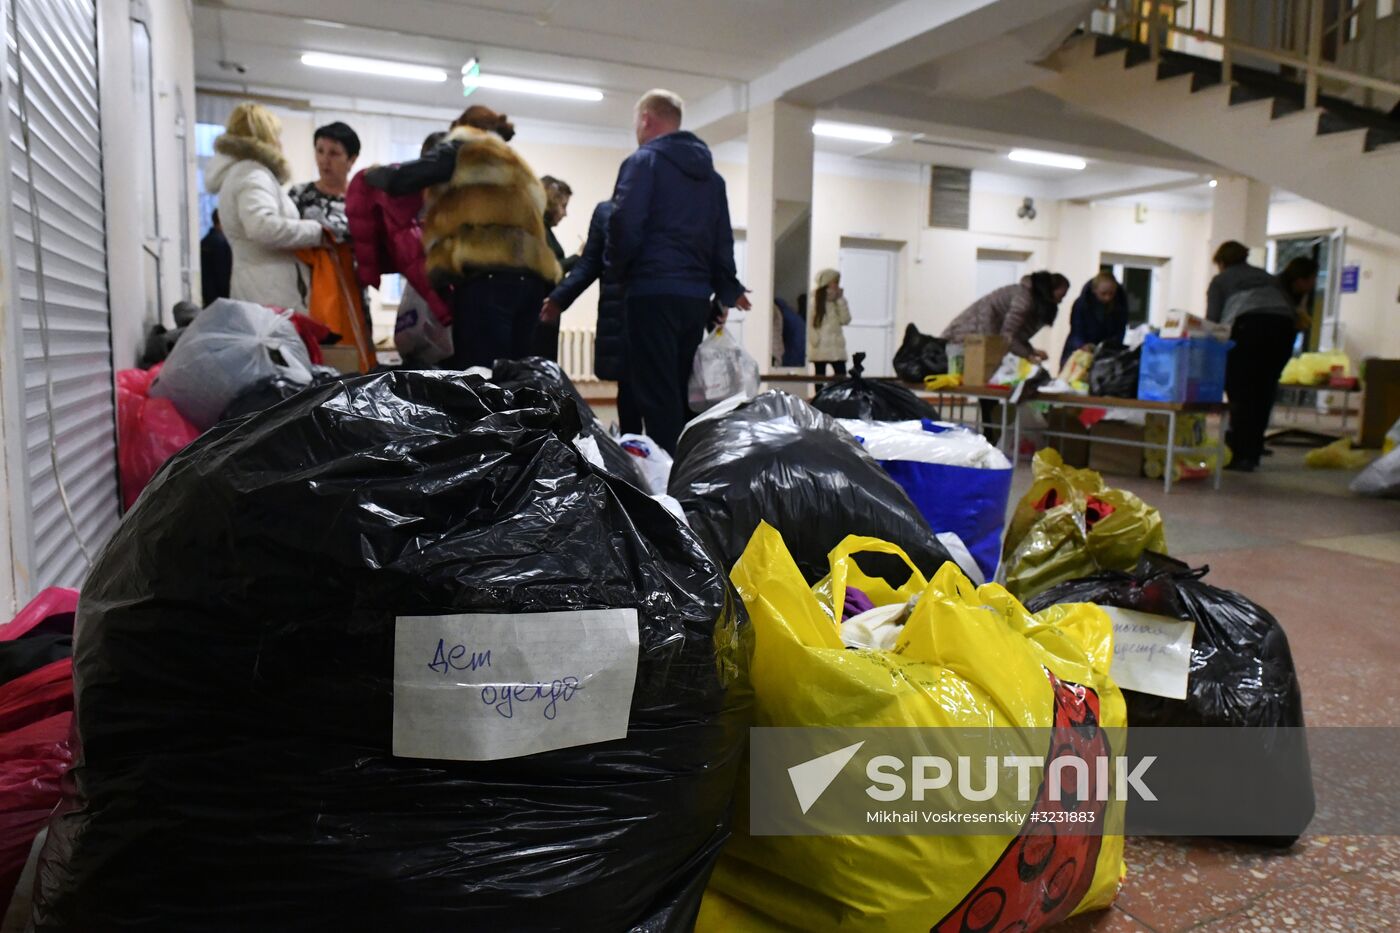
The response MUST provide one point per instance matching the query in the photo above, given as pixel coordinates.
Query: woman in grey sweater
(1262, 326)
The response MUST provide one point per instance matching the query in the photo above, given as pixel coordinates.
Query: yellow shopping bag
(969, 657)
(1070, 525)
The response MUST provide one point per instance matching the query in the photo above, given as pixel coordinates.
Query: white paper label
(1151, 654)
(480, 687)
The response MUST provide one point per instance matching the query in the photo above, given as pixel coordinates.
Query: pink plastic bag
(36, 713)
(149, 431)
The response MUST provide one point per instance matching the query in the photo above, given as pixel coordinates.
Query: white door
(994, 273)
(870, 279)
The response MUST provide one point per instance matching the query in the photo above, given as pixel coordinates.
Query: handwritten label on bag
(1151, 654)
(484, 686)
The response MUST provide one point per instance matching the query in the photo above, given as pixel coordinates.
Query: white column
(780, 200)
(1240, 212)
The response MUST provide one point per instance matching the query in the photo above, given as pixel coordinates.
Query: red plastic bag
(36, 712)
(149, 431)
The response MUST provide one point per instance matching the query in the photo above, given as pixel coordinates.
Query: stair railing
(1347, 46)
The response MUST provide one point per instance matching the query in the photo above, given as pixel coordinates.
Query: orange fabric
(334, 301)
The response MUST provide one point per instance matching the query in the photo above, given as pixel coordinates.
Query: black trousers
(837, 366)
(1263, 344)
(545, 343)
(663, 332)
(629, 416)
(494, 316)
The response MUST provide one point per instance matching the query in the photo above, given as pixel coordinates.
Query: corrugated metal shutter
(66, 387)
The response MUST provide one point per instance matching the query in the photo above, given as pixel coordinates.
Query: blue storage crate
(1184, 370)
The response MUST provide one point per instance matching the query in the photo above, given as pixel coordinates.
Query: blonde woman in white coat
(826, 335)
(262, 224)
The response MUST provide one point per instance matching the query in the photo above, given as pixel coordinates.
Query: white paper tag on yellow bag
(1151, 653)
(484, 686)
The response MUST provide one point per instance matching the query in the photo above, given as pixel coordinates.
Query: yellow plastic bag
(967, 656)
(1310, 369)
(1070, 525)
(1076, 369)
(944, 381)
(1337, 455)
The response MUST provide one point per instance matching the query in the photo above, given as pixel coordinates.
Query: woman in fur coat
(484, 235)
(261, 223)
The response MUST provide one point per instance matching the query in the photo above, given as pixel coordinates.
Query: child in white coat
(826, 335)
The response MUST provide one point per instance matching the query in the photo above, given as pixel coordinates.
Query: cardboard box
(1185, 324)
(1074, 451)
(1380, 400)
(1116, 459)
(981, 356)
(342, 357)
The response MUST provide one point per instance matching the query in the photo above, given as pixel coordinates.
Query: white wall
(172, 52)
(1087, 231)
(1371, 316)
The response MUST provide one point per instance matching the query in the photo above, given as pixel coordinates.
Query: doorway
(1141, 278)
(997, 268)
(1325, 249)
(870, 278)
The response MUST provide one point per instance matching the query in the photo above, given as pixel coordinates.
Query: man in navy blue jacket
(671, 245)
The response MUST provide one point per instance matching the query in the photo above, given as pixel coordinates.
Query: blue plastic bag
(963, 493)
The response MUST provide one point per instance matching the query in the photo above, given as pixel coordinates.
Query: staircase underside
(1337, 154)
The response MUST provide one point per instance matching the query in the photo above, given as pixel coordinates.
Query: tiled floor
(1325, 563)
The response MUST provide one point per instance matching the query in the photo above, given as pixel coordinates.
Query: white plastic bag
(655, 463)
(231, 346)
(722, 370)
(1380, 479)
(419, 336)
(1013, 371)
(948, 444)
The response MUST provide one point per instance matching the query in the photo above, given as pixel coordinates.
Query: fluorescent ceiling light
(1052, 159)
(860, 134)
(373, 66)
(472, 78)
(324, 22)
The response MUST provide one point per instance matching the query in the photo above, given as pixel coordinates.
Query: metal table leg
(1171, 452)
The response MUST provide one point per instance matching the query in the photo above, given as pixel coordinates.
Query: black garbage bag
(547, 375)
(238, 685)
(1115, 371)
(869, 400)
(920, 355)
(270, 391)
(1241, 675)
(778, 460)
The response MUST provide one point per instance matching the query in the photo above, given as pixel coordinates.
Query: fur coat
(489, 215)
(261, 222)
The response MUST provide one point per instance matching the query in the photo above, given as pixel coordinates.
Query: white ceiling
(952, 86)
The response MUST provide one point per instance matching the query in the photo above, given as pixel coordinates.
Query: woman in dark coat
(1100, 315)
(610, 351)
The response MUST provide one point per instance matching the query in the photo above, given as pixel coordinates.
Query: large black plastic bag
(778, 460)
(1115, 371)
(234, 682)
(920, 355)
(547, 375)
(1241, 675)
(868, 400)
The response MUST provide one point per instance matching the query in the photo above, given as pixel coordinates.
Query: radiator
(576, 353)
